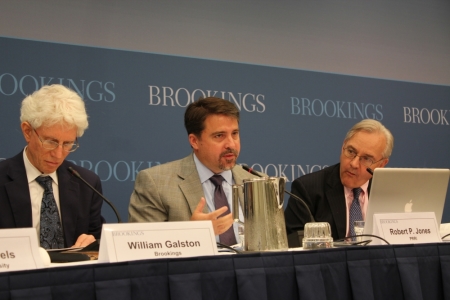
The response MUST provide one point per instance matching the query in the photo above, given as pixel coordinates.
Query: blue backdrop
(292, 121)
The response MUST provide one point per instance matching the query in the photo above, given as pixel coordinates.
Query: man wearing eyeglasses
(340, 192)
(36, 188)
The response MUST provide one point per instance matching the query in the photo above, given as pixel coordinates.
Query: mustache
(232, 151)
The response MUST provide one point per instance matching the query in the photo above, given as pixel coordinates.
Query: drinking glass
(317, 235)
(359, 229)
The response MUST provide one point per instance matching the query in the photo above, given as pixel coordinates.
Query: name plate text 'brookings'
(134, 241)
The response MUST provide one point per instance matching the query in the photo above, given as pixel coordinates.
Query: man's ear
(383, 163)
(194, 141)
(27, 131)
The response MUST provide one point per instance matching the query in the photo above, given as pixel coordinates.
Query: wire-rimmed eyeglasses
(52, 145)
(365, 160)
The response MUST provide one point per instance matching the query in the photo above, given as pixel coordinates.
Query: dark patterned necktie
(220, 199)
(355, 211)
(51, 232)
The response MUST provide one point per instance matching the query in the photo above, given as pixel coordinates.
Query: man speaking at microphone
(36, 188)
(339, 193)
(199, 186)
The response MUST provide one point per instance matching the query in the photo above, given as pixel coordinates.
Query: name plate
(407, 228)
(19, 250)
(134, 241)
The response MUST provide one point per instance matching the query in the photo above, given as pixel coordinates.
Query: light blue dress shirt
(208, 189)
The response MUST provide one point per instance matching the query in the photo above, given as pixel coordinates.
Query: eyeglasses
(51, 145)
(365, 160)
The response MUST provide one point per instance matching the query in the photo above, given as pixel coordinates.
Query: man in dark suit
(36, 188)
(330, 193)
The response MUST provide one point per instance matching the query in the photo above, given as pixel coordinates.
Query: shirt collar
(204, 173)
(349, 192)
(33, 172)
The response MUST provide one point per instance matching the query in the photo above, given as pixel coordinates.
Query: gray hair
(54, 104)
(373, 126)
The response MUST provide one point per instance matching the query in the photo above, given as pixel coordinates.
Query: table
(420, 271)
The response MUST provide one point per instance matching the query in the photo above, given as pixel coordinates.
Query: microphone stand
(76, 174)
(304, 204)
(250, 170)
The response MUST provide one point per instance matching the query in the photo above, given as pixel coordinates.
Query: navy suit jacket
(80, 207)
(323, 192)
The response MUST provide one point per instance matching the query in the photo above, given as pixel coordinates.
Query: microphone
(370, 171)
(304, 204)
(76, 174)
(250, 170)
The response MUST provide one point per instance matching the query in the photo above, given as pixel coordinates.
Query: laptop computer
(398, 190)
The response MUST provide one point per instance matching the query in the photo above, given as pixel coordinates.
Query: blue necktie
(355, 211)
(220, 199)
(51, 236)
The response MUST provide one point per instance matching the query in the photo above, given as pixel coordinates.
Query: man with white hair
(339, 194)
(36, 188)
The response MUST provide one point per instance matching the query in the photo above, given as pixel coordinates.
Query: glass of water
(359, 229)
(317, 235)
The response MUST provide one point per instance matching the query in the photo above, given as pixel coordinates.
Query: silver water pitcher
(264, 224)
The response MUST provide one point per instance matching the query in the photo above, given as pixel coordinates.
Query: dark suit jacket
(323, 192)
(80, 207)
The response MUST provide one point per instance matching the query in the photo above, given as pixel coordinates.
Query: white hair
(373, 126)
(54, 104)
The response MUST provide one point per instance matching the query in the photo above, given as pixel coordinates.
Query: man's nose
(355, 162)
(58, 151)
(230, 142)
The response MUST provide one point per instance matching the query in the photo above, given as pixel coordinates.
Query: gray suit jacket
(172, 191)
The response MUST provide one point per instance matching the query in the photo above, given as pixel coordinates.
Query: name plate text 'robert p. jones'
(407, 228)
(133, 241)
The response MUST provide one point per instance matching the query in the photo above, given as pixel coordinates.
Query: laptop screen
(398, 190)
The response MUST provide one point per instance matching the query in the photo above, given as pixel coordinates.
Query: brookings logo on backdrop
(128, 170)
(336, 109)
(425, 116)
(119, 170)
(181, 97)
(94, 90)
(291, 172)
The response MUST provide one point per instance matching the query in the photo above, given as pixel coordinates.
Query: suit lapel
(69, 195)
(191, 186)
(19, 192)
(336, 199)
